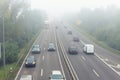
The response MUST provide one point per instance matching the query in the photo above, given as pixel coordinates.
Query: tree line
(21, 23)
(101, 23)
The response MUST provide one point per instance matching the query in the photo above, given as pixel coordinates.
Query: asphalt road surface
(104, 65)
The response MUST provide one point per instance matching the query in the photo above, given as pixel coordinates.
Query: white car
(56, 75)
(26, 77)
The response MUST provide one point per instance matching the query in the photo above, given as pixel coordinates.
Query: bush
(12, 50)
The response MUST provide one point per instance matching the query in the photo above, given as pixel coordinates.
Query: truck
(88, 48)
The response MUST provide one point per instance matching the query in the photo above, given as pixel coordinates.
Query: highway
(73, 67)
(46, 61)
(87, 67)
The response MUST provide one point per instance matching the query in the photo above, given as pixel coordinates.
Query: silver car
(36, 49)
(51, 47)
(56, 75)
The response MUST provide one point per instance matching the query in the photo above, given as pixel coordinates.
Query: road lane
(88, 67)
(51, 61)
(114, 59)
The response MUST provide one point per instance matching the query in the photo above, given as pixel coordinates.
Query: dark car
(30, 61)
(69, 32)
(51, 47)
(36, 49)
(76, 39)
(72, 50)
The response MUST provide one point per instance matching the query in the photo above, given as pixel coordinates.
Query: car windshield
(56, 77)
(51, 45)
(73, 48)
(30, 59)
(36, 49)
(36, 46)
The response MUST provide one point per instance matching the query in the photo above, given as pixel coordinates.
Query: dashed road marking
(83, 57)
(82, 42)
(43, 57)
(41, 72)
(118, 66)
(106, 59)
(96, 73)
(107, 64)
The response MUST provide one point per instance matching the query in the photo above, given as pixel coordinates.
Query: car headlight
(33, 62)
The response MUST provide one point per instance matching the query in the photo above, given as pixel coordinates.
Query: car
(72, 50)
(76, 39)
(30, 61)
(51, 47)
(26, 77)
(69, 32)
(56, 75)
(56, 27)
(65, 26)
(36, 49)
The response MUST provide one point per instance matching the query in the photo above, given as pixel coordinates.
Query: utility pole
(4, 62)
(0, 50)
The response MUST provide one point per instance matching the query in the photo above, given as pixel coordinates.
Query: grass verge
(17, 65)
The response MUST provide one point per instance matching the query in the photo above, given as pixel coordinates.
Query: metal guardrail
(67, 61)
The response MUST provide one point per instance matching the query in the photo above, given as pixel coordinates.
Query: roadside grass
(100, 43)
(16, 66)
(8, 66)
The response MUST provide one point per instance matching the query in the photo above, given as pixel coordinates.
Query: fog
(58, 7)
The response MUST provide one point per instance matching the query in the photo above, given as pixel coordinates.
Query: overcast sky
(62, 6)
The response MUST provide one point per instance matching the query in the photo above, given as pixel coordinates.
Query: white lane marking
(82, 42)
(41, 72)
(118, 66)
(106, 60)
(107, 64)
(59, 58)
(43, 57)
(96, 73)
(44, 49)
(83, 57)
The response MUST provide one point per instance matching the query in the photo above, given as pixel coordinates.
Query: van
(88, 49)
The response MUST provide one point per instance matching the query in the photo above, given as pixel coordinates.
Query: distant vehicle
(76, 39)
(65, 26)
(26, 77)
(36, 49)
(69, 32)
(56, 75)
(56, 27)
(30, 61)
(51, 47)
(88, 49)
(72, 50)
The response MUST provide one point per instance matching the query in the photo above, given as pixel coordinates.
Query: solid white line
(41, 72)
(96, 73)
(43, 57)
(107, 64)
(24, 60)
(44, 49)
(59, 57)
(83, 57)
